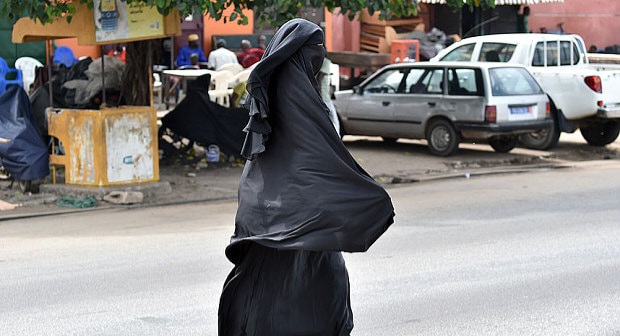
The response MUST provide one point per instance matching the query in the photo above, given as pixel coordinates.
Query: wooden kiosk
(112, 145)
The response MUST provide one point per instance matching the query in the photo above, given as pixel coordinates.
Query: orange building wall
(213, 27)
(594, 20)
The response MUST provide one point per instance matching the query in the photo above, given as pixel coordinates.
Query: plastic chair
(221, 94)
(28, 66)
(4, 71)
(64, 55)
(157, 87)
(235, 68)
(238, 78)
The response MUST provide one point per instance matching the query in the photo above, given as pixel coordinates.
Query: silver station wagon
(445, 103)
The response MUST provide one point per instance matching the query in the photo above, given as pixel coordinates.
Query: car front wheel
(443, 139)
(504, 144)
(601, 134)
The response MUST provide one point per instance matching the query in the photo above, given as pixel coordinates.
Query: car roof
(515, 38)
(481, 65)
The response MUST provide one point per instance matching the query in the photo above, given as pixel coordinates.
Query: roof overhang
(498, 2)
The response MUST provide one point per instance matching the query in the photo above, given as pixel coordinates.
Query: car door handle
(431, 104)
(386, 103)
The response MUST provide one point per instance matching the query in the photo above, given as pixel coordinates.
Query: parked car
(583, 96)
(444, 103)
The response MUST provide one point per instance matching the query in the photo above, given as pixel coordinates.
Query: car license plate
(520, 110)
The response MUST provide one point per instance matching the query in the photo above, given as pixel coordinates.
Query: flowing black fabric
(197, 118)
(302, 198)
(286, 293)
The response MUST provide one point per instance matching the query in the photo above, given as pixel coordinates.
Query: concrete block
(124, 197)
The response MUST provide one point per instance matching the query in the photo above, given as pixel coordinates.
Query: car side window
(433, 80)
(413, 83)
(387, 82)
(464, 82)
(460, 54)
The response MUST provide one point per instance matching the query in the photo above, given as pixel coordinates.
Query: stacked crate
(376, 34)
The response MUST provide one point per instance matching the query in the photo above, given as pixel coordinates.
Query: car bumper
(512, 127)
(609, 112)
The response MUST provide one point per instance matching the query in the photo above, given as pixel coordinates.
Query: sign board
(117, 20)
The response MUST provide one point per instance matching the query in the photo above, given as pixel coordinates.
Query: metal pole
(103, 100)
(50, 63)
(171, 52)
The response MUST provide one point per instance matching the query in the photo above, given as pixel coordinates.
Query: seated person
(174, 88)
(192, 47)
(249, 55)
(221, 56)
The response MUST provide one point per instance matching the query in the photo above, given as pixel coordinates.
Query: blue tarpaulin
(24, 155)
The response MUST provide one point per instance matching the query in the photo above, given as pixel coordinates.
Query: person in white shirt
(221, 56)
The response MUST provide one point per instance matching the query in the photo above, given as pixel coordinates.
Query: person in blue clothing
(192, 47)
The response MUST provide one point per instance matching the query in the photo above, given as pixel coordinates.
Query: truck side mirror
(357, 90)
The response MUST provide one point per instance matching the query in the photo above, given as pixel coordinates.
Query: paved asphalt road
(523, 254)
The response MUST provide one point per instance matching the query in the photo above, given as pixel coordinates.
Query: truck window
(548, 49)
(496, 52)
(569, 53)
(464, 82)
(513, 82)
(460, 54)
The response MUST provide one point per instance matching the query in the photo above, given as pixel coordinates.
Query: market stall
(111, 145)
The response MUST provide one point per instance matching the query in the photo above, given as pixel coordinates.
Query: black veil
(301, 189)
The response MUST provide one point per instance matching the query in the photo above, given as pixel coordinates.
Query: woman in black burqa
(302, 200)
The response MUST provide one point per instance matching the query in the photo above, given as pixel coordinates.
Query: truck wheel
(601, 134)
(504, 144)
(443, 140)
(542, 140)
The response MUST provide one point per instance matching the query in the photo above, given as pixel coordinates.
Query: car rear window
(512, 82)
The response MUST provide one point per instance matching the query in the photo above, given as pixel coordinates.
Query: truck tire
(504, 144)
(442, 137)
(601, 134)
(542, 140)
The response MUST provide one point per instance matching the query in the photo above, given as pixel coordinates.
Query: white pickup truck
(583, 96)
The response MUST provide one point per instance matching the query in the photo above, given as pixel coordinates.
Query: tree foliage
(272, 11)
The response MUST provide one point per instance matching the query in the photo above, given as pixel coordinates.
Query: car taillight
(490, 114)
(548, 109)
(594, 83)
(600, 103)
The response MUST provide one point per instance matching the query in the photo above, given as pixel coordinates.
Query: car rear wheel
(443, 140)
(504, 144)
(601, 134)
(542, 140)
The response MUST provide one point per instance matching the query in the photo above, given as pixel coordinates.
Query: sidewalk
(406, 161)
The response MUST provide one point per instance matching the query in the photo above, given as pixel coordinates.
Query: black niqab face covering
(316, 54)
